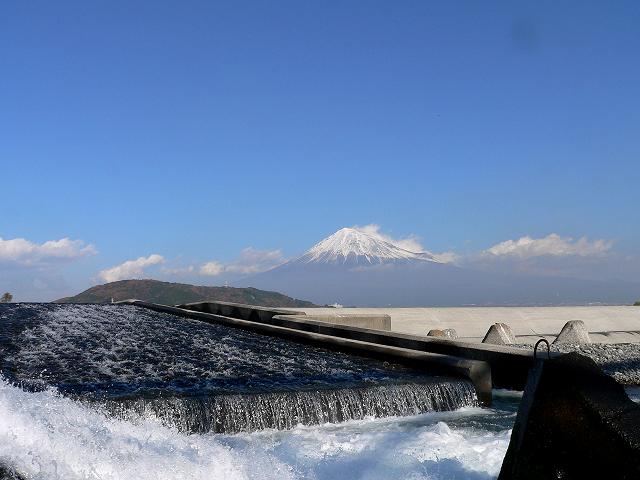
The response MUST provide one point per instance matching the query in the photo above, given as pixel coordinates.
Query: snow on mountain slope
(349, 245)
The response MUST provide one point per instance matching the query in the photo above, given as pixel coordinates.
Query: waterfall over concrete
(285, 410)
(116, 391)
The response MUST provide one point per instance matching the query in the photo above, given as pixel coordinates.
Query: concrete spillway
(196, 376)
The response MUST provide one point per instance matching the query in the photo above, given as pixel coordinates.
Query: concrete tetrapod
(499, 334)
(574, 331)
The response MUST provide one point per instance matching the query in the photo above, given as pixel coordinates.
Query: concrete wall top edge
(282, 311)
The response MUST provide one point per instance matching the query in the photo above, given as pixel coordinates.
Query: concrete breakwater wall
(486, 365)
(265, 314)
(477, 371)
(509, 366)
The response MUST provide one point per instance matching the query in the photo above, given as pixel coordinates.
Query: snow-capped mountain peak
(349, 245)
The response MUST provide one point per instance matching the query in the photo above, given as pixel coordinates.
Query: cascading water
(116, 392)
(199, 377)
(285, 410)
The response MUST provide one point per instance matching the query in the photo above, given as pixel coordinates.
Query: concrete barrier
(478, 372)
(573, 422)
(239, 310)
(264, 314)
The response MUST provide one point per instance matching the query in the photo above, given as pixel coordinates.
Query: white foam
(46, 436)
(413, 447)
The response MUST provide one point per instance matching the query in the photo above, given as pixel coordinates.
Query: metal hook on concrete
(535, 349)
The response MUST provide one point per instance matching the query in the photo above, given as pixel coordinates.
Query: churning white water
(116, 392)
(44, 435)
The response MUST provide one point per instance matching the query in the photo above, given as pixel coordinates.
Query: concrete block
(446, 333)
(574, 331)
(574, 422)
(499, 334)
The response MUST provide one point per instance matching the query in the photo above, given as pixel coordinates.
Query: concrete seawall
(606, 324)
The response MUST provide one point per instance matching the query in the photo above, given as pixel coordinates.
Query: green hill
(175, 293)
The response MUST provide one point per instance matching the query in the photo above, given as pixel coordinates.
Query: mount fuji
(352, 247)
(354, 268)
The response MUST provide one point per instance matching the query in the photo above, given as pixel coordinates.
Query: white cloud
(447, 257)
(130, 268)
(26, 253)
(212, 269)
(551, 245)
(178, 270)
(411, 243)
(250, 261)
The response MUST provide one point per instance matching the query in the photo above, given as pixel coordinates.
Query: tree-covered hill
(175, 293)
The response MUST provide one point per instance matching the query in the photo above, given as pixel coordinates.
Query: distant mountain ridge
(168, 293)
(351, 267)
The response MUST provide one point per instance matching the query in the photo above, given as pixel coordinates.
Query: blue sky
(193, 130)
